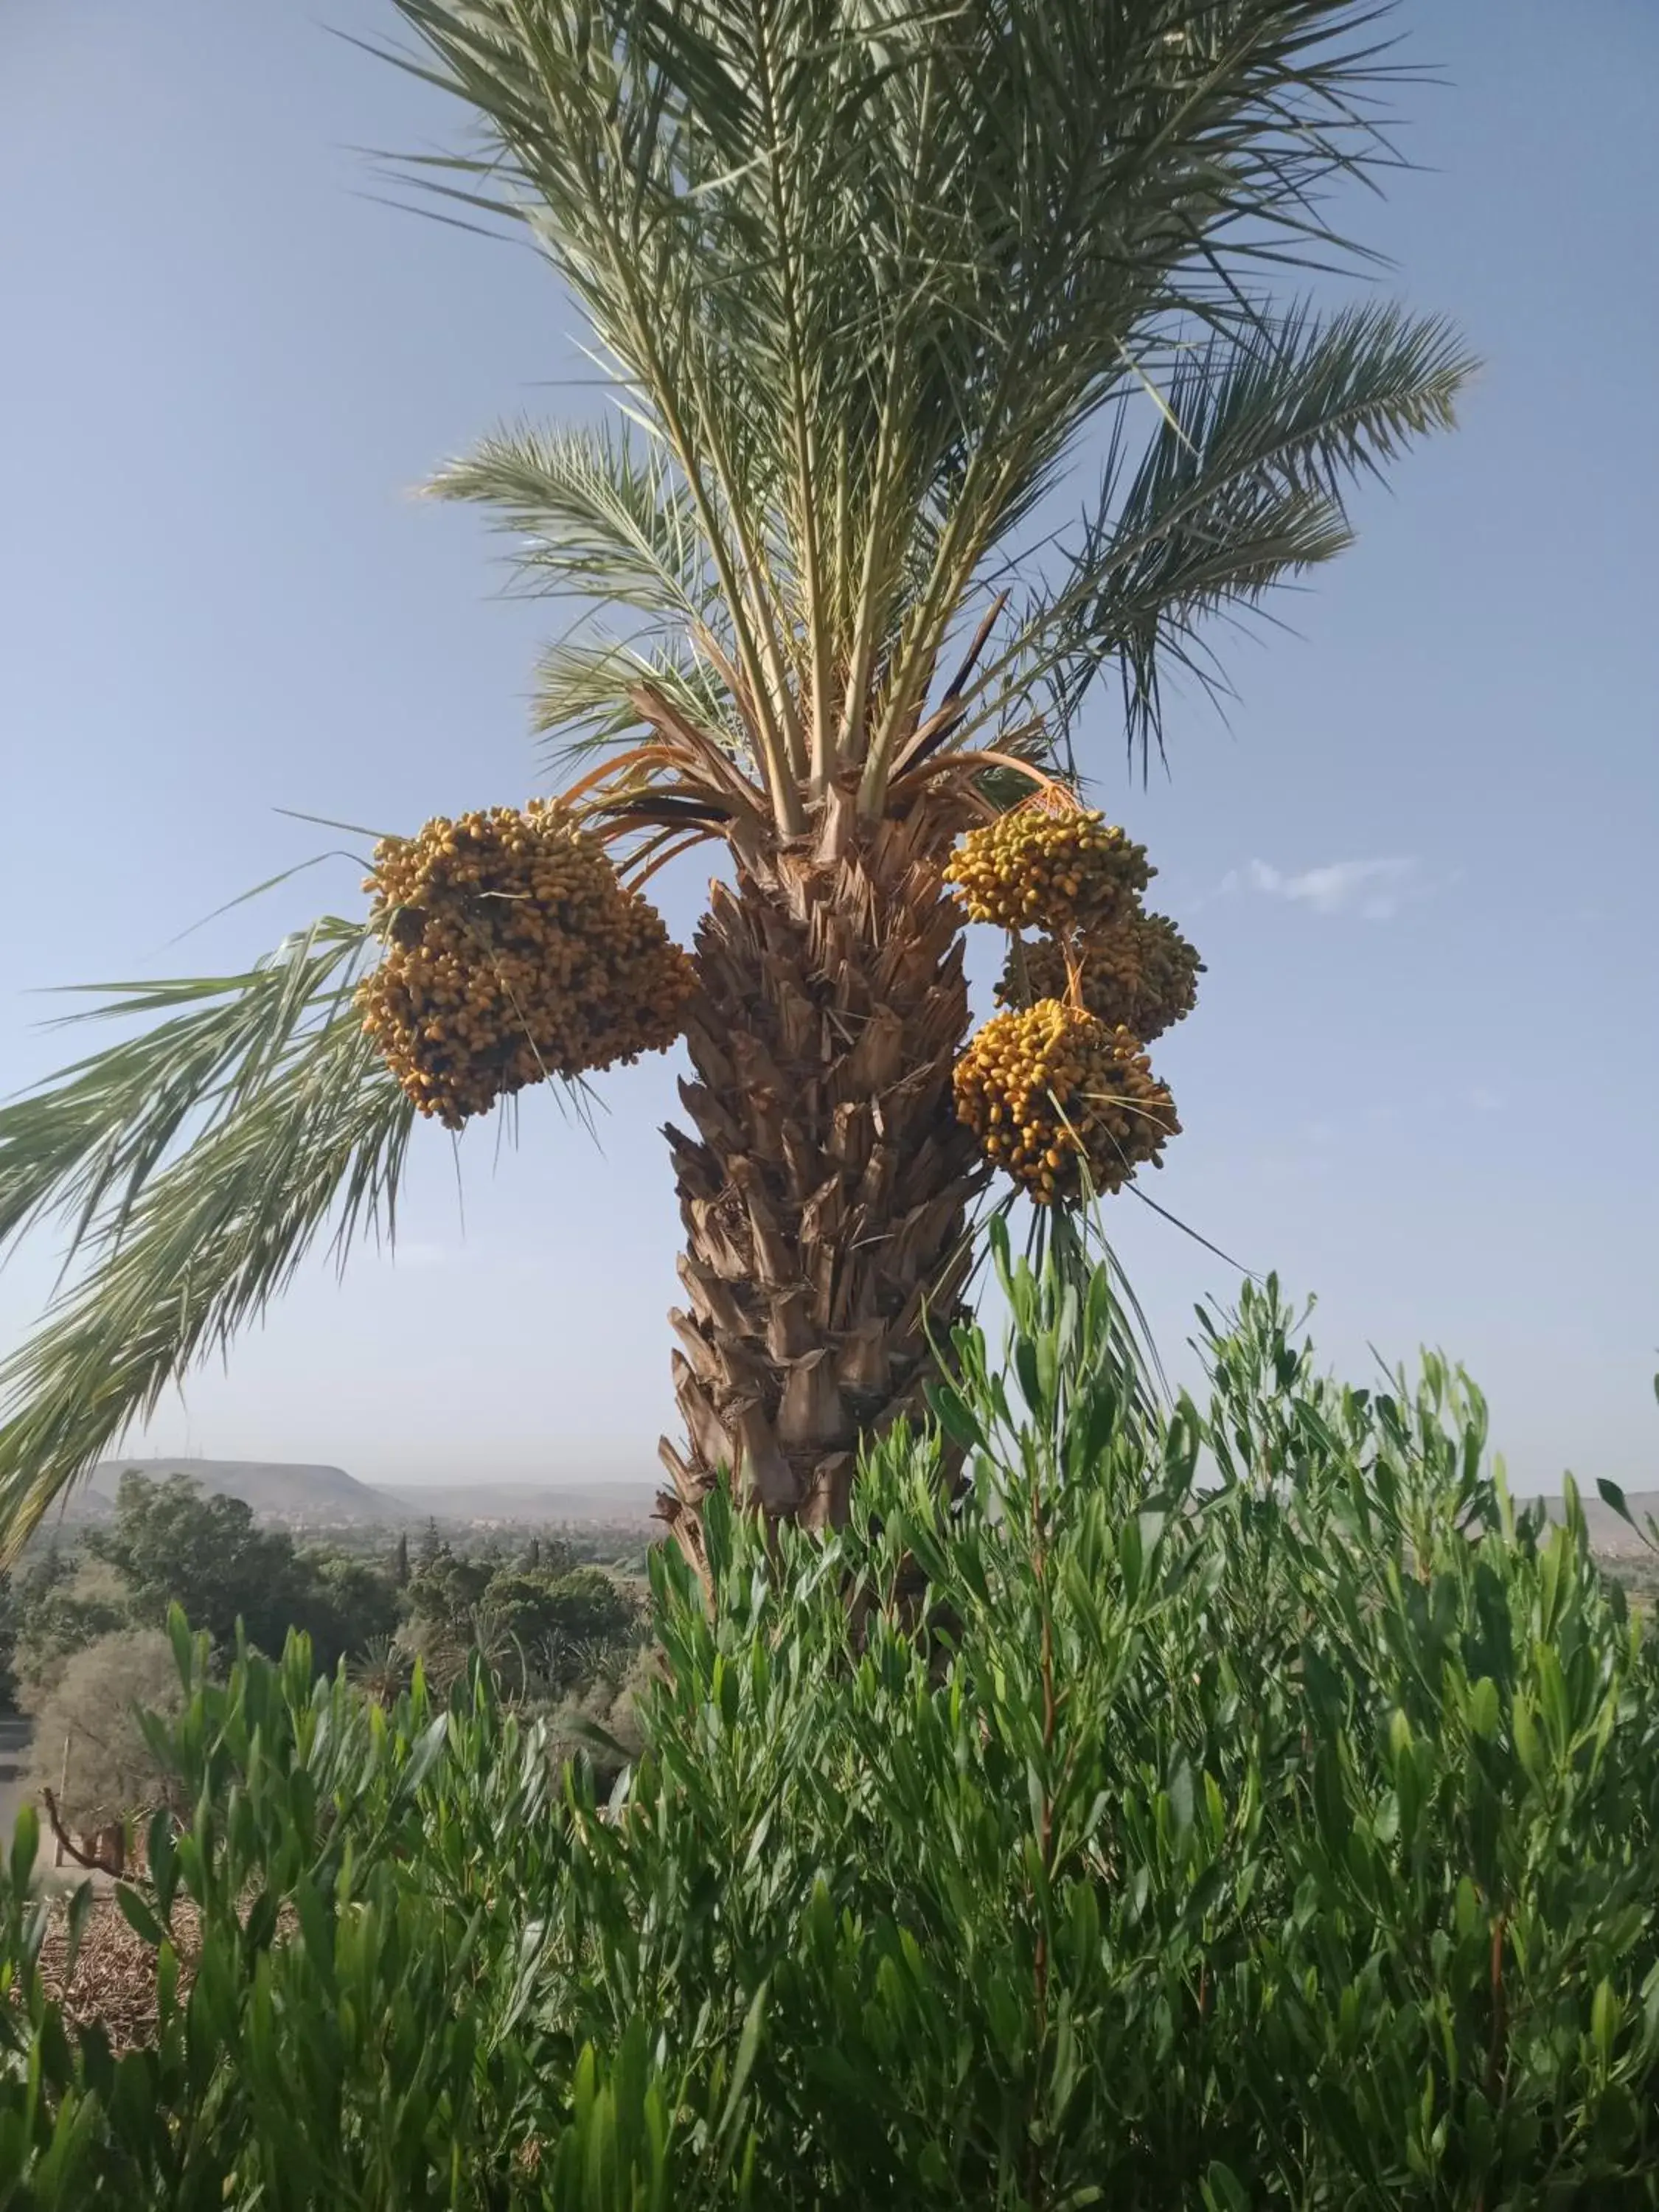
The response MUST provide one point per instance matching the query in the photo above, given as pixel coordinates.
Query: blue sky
(1417, 858)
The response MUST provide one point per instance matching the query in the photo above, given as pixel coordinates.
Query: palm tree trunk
(825, 1192)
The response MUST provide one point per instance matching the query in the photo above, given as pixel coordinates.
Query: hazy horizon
(649, 1480)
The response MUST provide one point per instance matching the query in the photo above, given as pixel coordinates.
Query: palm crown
(865, 279)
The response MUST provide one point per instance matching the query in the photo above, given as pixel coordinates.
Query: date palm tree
(960, 355)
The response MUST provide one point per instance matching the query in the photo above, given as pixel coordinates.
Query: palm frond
(594, 519)
(1243, 486)
(867, 272)
(586, 695)
(195, 1165)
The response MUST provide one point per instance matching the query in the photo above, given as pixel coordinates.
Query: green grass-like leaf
(195, 1165)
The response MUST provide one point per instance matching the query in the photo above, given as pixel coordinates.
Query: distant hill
(1610, 1536)
(290, 1496)
(295, 1497)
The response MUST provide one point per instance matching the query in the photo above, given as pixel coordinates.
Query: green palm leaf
(593, 520)
(864, 274)
(1244, 486)
(195, 1164)
(585, 695)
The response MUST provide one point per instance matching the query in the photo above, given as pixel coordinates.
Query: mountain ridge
(303, 1494)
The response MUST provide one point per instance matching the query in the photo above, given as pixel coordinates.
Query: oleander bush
(1224, 1806)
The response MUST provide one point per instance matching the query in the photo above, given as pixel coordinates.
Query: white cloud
(1372, 888)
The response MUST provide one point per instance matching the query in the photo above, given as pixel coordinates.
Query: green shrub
(1287, 1839)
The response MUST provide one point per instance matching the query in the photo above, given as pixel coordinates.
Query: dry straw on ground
(113, 1983)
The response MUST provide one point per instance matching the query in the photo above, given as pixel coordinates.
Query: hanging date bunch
(1058, 1087)
(1141, 975)
(1038, 868)
(513, 952)
(1063, 1102)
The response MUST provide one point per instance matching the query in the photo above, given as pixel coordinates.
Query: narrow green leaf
(25, 1847)
(139, 1915)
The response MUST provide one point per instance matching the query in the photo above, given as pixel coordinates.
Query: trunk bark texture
(826, 1191)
